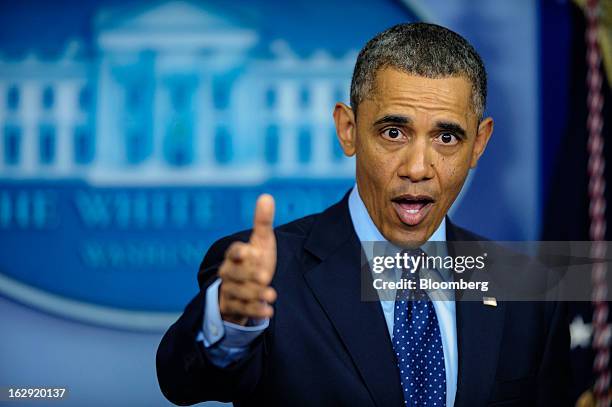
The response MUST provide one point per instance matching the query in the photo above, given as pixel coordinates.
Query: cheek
(373, 181)
(375, 163)
(451, 174)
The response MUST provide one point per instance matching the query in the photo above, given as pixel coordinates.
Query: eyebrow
(393, 119)
(451, 127)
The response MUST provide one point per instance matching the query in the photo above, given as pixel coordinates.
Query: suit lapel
(336, 282)
(479, 334)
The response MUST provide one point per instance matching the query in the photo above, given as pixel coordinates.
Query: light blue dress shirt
(226, 342)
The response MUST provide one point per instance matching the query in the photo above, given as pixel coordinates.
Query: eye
(447, 139)
(392, 133)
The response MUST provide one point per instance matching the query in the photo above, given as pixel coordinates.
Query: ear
(485, 129)
(344, 118)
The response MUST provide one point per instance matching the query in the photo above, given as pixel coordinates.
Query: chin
(409, 238)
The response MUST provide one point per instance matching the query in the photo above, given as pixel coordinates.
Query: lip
(412, 209)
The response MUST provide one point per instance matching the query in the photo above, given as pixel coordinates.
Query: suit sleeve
(224, 341)
(185, 374)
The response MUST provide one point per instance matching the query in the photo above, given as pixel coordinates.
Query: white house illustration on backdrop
(174, 93)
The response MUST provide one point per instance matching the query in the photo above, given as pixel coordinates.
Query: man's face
(415, 139)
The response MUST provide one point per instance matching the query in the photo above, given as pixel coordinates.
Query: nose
(417, 161)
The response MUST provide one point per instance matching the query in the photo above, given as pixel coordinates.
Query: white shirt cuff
(215, 330)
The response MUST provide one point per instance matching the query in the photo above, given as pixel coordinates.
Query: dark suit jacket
(326, 347)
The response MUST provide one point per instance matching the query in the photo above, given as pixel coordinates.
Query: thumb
(263, 233)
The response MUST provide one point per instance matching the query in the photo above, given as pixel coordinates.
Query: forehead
(395, 91)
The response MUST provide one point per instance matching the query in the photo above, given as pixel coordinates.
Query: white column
(66, 106)
(204, 126)
(287, 106)
(287, 149)
(160, 106)
(250, 118)
(29, 106)
(321, 110)
(109, 144)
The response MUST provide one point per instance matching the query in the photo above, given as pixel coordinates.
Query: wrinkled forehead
(393, 89)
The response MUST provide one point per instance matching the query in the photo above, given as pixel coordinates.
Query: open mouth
(412, 209)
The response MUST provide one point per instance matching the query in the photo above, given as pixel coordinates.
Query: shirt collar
(367, 232)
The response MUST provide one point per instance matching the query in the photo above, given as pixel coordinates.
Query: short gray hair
(421, 49)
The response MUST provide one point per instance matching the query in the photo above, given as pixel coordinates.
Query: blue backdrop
(133, 135)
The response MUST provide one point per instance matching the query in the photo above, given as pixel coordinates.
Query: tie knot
(412, 261)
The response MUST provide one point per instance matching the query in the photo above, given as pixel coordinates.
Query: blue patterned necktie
(418, 347)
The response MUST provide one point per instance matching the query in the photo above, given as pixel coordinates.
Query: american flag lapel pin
(490, 301)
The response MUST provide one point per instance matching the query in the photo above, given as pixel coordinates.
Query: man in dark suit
(281, 317)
